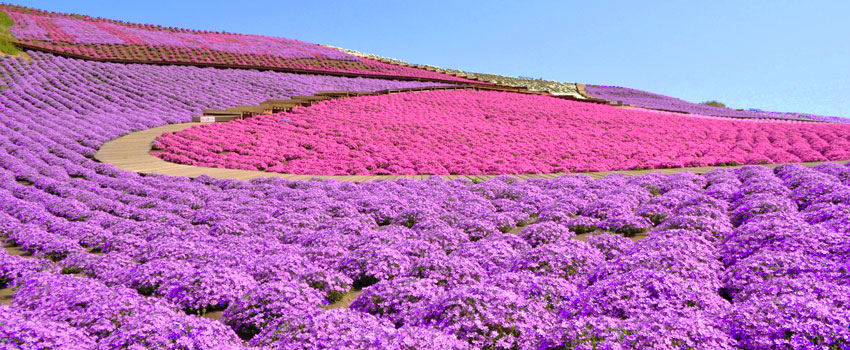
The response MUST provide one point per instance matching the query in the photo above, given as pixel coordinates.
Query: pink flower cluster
(103, 39)
(487, 132)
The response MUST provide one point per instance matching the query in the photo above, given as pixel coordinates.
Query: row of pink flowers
(478, 132)
(111, 40)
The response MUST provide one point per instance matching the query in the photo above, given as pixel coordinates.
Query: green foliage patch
(714, 103)
(7, 41)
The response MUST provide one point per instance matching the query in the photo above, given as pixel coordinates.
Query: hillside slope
(109, 40)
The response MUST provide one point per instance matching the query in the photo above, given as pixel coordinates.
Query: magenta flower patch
(484, 132)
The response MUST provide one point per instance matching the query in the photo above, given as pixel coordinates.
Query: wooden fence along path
(284, 105)
(131, 152)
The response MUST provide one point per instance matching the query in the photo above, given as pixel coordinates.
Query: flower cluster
(786, 272)
(18, 328)
(252, 311)
(661, 292)
(351, 330)
(452, 132)
(115, 317)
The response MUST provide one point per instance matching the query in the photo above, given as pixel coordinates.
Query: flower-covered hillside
(98, 258)
(72, 91)
(486, 132)
(555, 87)
(108, 40)
(655, 101)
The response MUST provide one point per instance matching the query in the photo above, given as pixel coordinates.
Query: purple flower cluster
(252, 311)
(351, 330)
(21, 330)
(16, 268)
(749, 258)
(660, 292)
(115, 317)
(545, 232)
(786, 263)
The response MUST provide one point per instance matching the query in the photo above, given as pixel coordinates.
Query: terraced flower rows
(655, 101)
(103, 39)
(485, 132)
(146, 95)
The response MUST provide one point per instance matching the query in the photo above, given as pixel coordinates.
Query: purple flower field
(734, 259)
(655, 101)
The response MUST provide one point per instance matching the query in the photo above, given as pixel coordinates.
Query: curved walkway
(131, 152)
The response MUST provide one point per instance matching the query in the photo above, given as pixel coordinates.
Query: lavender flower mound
(628, 225)
(551, 293)
(116, 317)
(372, 263)
(493, 254)
(204, 289)
(16, 268)
(571, 260)
(414, 338)
(345, 329)
(610, 245)
(255, 309)
(784, 274)
(100, 258)
(351, 330)
(677, 255)
(545, 232)
(790, 322)
(486, 317)
(641, 291)
(19, 330)
(448, 272)
(398, 300)
(694, 331)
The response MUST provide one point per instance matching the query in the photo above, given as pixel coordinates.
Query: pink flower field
(487, 132)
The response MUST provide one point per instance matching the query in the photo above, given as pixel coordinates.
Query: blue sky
(789, 56)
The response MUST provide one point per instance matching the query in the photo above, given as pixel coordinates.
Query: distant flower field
(649, 100)
(102, 39)
(482, 132)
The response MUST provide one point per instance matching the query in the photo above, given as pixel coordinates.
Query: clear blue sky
(791, 56)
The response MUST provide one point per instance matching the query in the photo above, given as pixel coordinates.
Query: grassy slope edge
(7, 41)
